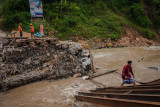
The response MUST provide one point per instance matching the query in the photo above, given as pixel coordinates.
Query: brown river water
(61, 93)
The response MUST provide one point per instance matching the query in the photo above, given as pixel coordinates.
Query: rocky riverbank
(29, 63)
(24, 63)
(130, 38)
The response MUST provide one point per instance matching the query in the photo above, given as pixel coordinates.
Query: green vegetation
(0, 12)
(1, 1)
(86, 18)
(154, 13)
(14, 12)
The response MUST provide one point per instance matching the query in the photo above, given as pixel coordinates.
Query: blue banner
(36, 8)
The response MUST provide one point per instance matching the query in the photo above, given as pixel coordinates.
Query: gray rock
(64, 46)
(27, 61)
(86, 62)
(36, 62)
(45, 65)
(48, 54)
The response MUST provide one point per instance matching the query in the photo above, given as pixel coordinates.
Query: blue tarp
(38, 34)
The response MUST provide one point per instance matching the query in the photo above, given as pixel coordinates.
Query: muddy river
(61, 93)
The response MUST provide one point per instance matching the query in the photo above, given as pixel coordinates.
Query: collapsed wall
(33, 62)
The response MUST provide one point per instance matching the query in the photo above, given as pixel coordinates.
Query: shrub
(136, 13)
(70, 21)
(96, 21)
(11, 21)
(74, 7)
(114, 36)
(15, 12)
(83, 18)
(149, 34)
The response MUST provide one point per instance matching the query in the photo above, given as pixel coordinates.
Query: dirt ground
(25, 34)
(61, 93)
(130, 38)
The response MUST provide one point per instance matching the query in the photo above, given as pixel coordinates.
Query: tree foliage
(15, 12)
(87, 18)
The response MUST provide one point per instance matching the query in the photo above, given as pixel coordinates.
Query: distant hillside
(87, 18)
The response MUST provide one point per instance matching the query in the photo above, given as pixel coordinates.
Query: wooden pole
(92, 63)
(108, 72)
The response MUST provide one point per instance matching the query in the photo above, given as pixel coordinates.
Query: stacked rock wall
(25, 64)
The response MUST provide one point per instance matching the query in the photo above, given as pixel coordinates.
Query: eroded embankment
(36, 61)
(130, 38)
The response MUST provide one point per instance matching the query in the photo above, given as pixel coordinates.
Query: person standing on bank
(126, 74)
(32, 30)
(20, 30)
(41, 30)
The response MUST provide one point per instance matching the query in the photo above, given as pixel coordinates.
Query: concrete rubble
(32, 62)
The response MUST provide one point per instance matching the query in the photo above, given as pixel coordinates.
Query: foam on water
(100, 55)
(72, 89)
(65, 93)
(151, 48)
